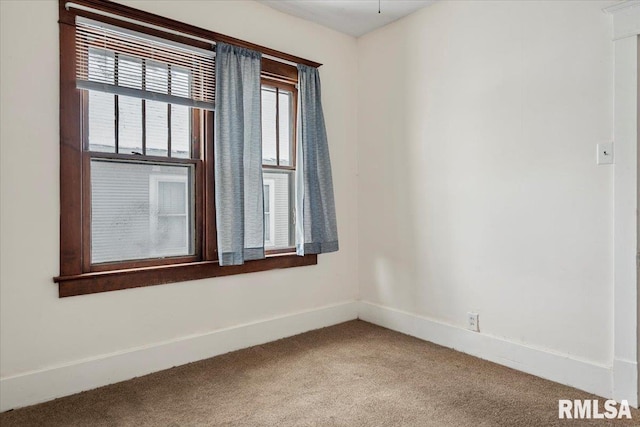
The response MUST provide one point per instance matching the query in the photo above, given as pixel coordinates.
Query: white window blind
(123, 62)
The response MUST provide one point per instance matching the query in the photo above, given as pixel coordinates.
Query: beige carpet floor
(353, 374)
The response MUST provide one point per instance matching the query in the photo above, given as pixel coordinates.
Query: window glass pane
(157, 127)
(171, 197)
(285, 126)
(140, 211)
(129, 72)
(180, 131)
(180, 81)
(269, 219)
(278, 196)
(102, 125)
(171, 234)
(171, 216)
(156, 77)
(268, 125)
(101, 66)
(129, 125)
(267, 199)
(267, 230)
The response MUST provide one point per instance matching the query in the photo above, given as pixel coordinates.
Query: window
(141, 142)
(136, 118)
(278, 162)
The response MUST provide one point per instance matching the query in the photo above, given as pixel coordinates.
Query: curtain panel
(238, 155)
(316, 227)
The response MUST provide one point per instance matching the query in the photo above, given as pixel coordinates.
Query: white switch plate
(605, 153)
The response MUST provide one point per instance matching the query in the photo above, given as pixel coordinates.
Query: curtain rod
(168, 25)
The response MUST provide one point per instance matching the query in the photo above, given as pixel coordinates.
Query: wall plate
(605, 153)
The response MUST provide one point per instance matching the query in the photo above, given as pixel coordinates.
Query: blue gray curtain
(316, 229)
(238, 155)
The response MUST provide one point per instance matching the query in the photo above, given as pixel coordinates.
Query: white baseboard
(42, 385)
(581, 374)
(58, 381)
(625, 381)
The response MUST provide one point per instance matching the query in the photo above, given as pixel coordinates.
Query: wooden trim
(279, 168)
(210, 227)
(157, 20)
(143, 263)
(279, 71)
(70, 155)
(65, 16)
(277, 126)
(86, 183)
(199, 184)
(294, 130)
(275, 82)
(116, 114)
(280, 251)
(90, 283)
(142, 159)
(198, 205)
(195, 133)
(86, 212)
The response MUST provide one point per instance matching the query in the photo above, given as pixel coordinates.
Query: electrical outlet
(472, 322)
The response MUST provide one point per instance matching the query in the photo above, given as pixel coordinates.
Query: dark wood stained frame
(281, 84)
(170, 24)
(77, 275)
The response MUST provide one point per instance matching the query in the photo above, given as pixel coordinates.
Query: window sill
(105, 281)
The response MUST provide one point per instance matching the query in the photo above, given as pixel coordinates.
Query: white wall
(478, 188)
(625, 30)
(40, 331)
(468, 133)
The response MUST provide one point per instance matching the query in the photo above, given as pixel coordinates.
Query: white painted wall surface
(467, 132)
(478, 187)
(626, 28)
(40, 331)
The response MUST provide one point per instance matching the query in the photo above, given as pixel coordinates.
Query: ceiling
(353, 17)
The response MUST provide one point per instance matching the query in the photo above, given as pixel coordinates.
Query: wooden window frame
(77, 275)
(279, 84)
(288, 85)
